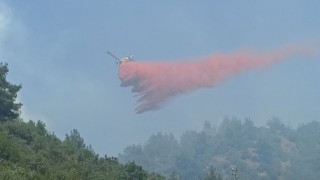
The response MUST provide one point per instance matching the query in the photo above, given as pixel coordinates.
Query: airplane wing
(114, 56)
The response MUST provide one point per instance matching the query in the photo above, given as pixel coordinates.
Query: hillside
(29, 151)
(274, 151)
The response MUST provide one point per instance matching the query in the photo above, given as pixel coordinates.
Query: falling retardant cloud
(154, 83)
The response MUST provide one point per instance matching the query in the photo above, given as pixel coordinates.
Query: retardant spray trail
(156, 82)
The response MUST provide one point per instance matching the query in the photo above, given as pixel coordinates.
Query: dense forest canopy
(29, 151)
(274, 151)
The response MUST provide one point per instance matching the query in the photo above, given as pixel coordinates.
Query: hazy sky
(56, 50)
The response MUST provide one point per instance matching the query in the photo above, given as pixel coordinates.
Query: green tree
(75, 139)
(9, 109)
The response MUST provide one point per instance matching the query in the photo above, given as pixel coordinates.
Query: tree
(212, 175)
(9, 109)
(75, 139)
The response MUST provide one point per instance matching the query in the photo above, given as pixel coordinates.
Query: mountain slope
(271, 152)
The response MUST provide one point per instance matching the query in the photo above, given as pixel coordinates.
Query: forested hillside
(29, 151)
(271, 152)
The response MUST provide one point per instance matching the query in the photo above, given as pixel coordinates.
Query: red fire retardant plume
(156, 82)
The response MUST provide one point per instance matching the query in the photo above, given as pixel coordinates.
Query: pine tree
(9, 108)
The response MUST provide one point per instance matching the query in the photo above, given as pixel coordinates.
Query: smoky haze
(154, 83)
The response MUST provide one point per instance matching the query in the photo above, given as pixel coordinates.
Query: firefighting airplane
(122, 60)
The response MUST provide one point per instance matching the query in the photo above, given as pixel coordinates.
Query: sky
(57, 51)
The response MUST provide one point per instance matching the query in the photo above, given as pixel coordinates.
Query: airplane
(122, 60)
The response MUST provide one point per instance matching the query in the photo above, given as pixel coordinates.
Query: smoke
(154, 83)
(4, 22)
